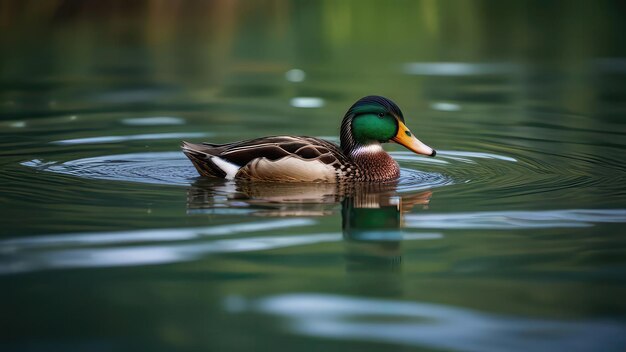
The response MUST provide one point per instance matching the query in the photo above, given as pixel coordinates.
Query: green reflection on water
(534, 91)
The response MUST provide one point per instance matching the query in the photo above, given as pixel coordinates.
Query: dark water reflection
(433, 326)
(370, 213)
(511, 239)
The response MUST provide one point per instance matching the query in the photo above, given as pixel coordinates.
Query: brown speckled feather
(283, 158)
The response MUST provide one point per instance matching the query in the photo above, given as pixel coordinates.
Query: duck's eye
(381, 114)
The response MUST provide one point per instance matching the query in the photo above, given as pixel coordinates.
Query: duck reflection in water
(371, 212)
(372, 225)
(271, 199)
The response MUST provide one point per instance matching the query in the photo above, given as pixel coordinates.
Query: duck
(369, 122)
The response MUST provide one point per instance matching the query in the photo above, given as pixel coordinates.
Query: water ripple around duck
(496, 172)
(172, 168)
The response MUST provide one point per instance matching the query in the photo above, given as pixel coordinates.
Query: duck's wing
(284, 158)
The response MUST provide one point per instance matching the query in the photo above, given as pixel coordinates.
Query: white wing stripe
(229, 168)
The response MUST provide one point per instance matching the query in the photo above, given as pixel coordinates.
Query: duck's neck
(374, 162)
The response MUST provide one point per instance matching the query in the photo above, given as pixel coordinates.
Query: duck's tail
(201, 156)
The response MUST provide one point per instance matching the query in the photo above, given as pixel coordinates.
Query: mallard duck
(372, 120)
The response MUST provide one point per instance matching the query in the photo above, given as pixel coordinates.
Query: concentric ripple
(172, 168)
(460, 167)
(166, 168)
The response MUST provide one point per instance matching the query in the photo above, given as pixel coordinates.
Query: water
(511, 239)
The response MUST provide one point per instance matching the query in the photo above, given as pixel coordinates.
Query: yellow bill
(407, 139)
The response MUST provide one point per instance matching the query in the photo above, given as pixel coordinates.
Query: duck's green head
(373, 120)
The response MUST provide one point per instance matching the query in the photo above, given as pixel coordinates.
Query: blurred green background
(514, 240)
(214, 45)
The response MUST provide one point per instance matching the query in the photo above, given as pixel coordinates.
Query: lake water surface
(512, 239)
